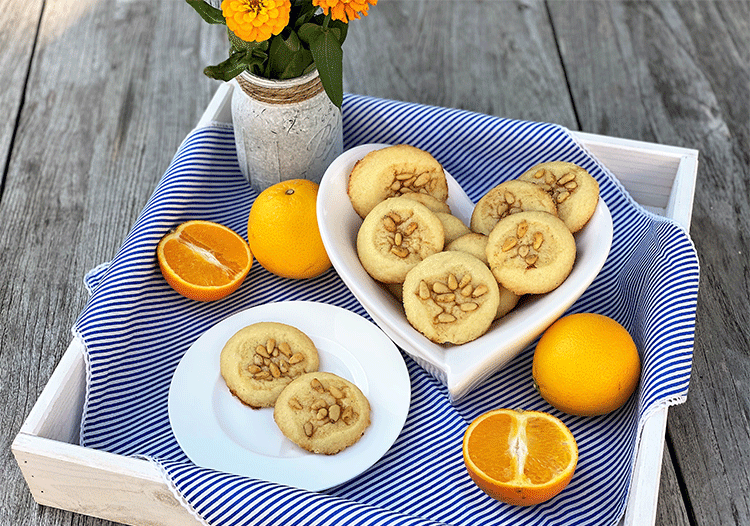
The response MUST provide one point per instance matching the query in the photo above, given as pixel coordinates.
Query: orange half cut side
(204, 261)
(520, 457)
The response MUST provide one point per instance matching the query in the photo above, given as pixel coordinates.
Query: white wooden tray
(64, 475)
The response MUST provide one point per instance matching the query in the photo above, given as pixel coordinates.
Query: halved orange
(204, 261)
(520, 457)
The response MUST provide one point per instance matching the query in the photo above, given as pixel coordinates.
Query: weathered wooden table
(96, 96)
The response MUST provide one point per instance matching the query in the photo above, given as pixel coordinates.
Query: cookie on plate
(451, 297)
(322, 413)
(575, 191)
(508, 198)
(531, 252)
(396, 235)
(393, 171)
(260, 360)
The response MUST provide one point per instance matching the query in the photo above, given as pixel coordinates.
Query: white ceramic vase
(284, 129)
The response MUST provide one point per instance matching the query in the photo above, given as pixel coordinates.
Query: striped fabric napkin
(136, 329)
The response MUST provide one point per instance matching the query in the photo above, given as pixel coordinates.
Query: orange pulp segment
(204, 261)
(520, 457)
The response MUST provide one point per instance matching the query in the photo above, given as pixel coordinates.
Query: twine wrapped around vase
(281, 95)
(284, 129)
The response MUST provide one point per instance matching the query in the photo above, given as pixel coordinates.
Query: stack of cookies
(270, 364)
(454, 279)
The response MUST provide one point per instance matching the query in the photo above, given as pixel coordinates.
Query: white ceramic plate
(217, 431)
(463, 367)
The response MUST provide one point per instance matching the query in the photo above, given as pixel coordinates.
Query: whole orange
(586, 364)
(282, 230)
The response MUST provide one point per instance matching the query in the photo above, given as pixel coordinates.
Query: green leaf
(238, 44)
(309, 32)
(339, 29)
(313, 30)
(309, 68)
(230, 68)
(328, 55)
(288, 57)
(302, 13)
(208, 12)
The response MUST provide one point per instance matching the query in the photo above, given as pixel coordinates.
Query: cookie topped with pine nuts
(509, 198)
(396, 235)
(260, 360)
(322, 413)
(531, 252)
(451, 297)
(393, 171)
(574, 190)
(476, 245)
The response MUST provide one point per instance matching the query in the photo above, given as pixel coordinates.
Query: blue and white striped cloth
(136, 329)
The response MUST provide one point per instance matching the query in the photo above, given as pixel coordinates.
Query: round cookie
(508, 198)
(508, 301)
(476, 245)
(260, 360)
(322, 413)
(433, 203)
(574, 190)
(451, 297)
(452, 226)
(531, 252)
(396, 235)
(391, 172)
(473, 243)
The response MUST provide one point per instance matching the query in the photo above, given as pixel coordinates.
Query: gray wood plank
(113, 90)
(679, 73)
(670, 510)
(18, 25)
(497, 58)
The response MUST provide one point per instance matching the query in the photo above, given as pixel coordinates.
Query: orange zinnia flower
(345, 10)
(256, 20)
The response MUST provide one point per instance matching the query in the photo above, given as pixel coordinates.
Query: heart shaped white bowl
(459, 367)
